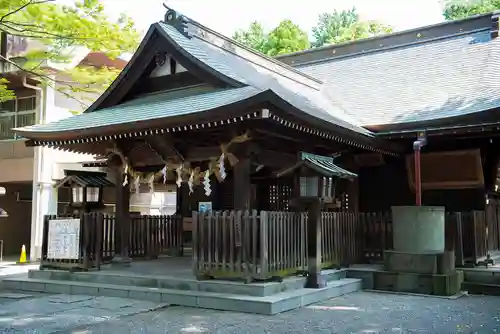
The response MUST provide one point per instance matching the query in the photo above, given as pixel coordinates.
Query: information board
(64, 239)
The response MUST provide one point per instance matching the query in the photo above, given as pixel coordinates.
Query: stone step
(482, 275)
(185, 284)
(268, 305)
(481, 288)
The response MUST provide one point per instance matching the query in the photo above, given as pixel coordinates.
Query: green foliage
(287, 37)
(5, 93)
(61, 28)
(254, 37)
(461, 9)
(344, 26)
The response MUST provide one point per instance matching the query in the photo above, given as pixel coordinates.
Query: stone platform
(377, 278)
(169, 281)
(482, 280)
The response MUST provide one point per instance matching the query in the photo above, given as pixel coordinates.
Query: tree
(60, 28)
(285, 38)
(253, 37)
(339, 27)
(460, 9)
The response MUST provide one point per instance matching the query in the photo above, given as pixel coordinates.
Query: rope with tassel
(195, 176)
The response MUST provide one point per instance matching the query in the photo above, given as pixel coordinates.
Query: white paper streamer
(137, 184)
(151, 183)
(179, 176)
(222, 170)
(206, 183)
(191, 182)
(164, 174)
(125, 180)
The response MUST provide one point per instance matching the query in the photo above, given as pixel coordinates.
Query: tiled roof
(321, 164)
(84, 179)
(301, 96)
(441, 78)
(326, 166)
(157, 106)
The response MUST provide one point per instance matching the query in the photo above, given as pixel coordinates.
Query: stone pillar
(418, 229)
(419, 262)
(315, 279)
(44, 196)
(122, 221)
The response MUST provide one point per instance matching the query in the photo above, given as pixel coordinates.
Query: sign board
(64, 239)
(204, 206)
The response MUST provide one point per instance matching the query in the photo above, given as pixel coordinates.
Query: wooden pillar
(242, 184)
(122, 220)
(315, 279)
(353, 195)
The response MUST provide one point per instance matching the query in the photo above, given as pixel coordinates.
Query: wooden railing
(262, 245)
(341, 242)
(150, 236)
(467, 235)
(248, 244)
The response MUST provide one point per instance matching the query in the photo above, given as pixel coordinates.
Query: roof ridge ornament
(176, 20)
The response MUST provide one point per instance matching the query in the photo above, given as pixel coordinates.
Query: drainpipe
(36, 229)
(417, 147)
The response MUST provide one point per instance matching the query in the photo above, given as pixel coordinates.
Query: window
(92, 194)
(157, 203)
(77, 193)
(16, 113)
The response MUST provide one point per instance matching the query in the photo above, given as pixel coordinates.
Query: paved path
(361, 312)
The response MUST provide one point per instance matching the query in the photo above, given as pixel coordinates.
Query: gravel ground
(361, 312)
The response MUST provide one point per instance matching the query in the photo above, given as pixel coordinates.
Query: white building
(28, 173)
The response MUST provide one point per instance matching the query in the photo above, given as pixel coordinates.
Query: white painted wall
(49, 165)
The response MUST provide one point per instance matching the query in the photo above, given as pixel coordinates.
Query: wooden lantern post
(315, 177)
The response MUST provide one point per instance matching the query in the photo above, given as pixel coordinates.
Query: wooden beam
(265, 157)
(165, 148)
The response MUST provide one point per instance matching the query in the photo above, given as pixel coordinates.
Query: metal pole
(417, 146)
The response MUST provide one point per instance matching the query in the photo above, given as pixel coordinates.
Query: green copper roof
(324, 165)
(321, 164)
(151, 107)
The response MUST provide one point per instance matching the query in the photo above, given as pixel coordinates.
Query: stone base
(423, 263)
(120, 261)
(429, 284)
(315, 281)
(261, 298)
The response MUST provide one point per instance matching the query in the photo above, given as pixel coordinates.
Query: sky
(226, 16)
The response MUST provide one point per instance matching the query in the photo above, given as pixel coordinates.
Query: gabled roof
(423, 75)
(321, 164)
(84, 179)
(239, 74)
(140, 113)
